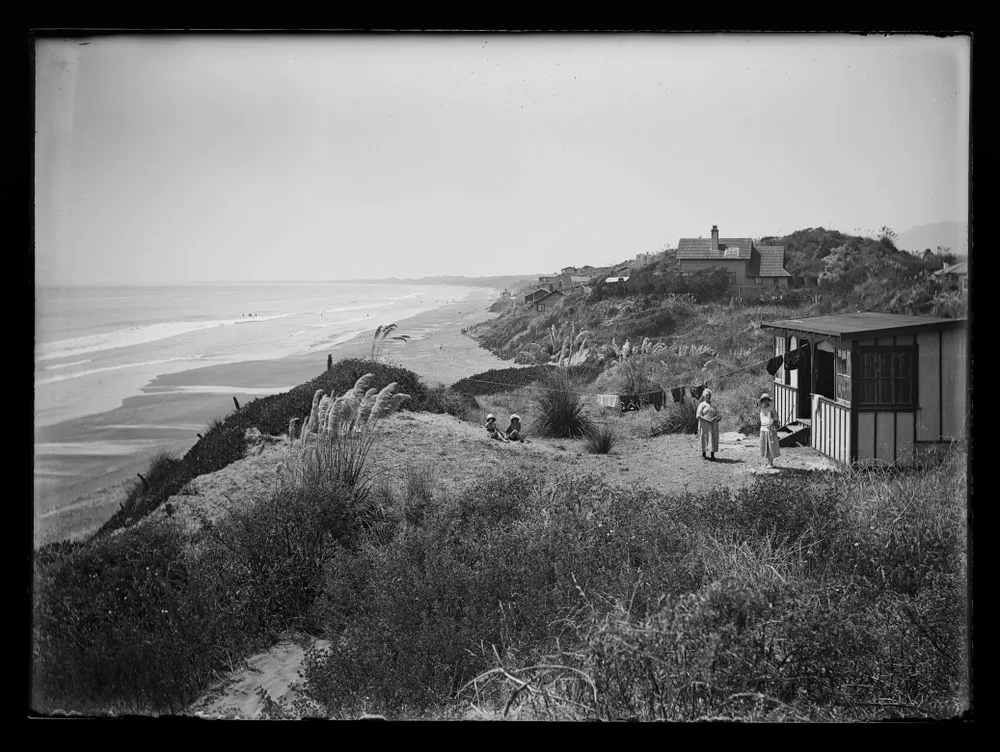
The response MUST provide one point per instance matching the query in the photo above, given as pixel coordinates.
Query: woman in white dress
(769, 447)
(708, 424)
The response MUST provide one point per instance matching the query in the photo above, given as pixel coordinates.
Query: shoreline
(98, 455)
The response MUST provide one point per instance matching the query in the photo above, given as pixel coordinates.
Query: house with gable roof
(746, 263)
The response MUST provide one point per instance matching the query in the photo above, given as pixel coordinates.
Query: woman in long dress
(708, 425)
(769, 447)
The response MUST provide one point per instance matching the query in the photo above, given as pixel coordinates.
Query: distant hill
(953, 235)
(506, 280)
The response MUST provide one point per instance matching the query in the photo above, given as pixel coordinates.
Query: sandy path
(459, 454)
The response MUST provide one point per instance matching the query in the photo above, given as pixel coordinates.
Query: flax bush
(559, 407)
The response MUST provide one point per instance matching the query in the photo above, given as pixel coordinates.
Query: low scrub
(821, 597)
(443, 399)
(142, 620)
(498, 380)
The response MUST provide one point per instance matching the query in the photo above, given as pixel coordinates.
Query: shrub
(739, 404)
(560, 409)
(142, 620)
(155, 483)
(442, 399)
(280, 545)
(498, 380)
(676, 417)
(600, 439)
(417, 492)
(118, 627)
(634, 375)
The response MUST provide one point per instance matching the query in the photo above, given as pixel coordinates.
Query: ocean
(97, 347)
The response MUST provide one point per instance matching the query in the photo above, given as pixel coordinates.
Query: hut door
(805, 368)
(824, 374)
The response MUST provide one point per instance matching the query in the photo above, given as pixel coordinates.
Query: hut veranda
(872, 388)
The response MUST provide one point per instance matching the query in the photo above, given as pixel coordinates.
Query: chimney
(715, 238)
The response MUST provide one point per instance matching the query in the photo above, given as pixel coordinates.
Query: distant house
(548, 300)
(805, 279)
(538, 294)
(745, 263)
(872, 387)
(956, 272)
(568, 270)
(617, 280)
(645, 259)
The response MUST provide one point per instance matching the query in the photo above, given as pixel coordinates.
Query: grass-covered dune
(556, 595)
(224, 441)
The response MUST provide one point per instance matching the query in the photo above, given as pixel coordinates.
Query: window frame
(842, 377)
(856, 374)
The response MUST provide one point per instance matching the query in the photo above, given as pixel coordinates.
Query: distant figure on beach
(513, 431)
(770, 449)
(491, 428)
(708, 424)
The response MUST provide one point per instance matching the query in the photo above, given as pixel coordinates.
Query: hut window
(842, 364)
(886, 376)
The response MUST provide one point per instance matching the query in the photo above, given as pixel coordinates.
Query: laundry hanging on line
(774, 364)
(793, 359)
(628, 402)
(656, 399)
(696, 391)
(607, 400)
(677, 393)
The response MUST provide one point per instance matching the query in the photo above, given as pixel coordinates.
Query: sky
(189, 158)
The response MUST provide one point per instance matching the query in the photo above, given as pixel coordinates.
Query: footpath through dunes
(459, 455)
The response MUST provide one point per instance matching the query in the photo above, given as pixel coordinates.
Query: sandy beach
(88, 463)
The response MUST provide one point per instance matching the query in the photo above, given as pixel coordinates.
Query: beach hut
(871, 388)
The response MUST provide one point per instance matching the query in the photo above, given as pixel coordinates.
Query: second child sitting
(513, 432)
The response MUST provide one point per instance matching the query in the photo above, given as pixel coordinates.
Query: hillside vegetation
(538, 595)
(701, 311)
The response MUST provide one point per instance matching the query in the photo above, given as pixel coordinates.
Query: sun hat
(491, 416)
(765, 396)
(515, 416)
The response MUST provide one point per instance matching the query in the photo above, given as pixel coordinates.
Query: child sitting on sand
(492, 430)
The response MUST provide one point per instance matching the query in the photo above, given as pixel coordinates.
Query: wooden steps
(795, 433)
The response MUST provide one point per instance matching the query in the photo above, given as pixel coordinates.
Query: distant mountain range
(952, 235)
